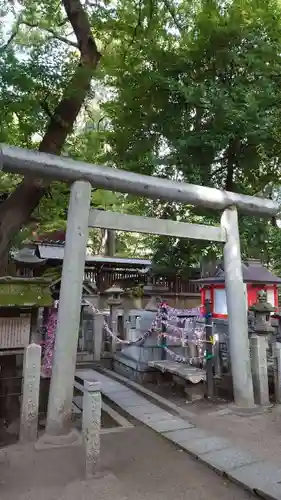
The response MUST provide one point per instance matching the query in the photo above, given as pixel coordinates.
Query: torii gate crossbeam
(24, 161)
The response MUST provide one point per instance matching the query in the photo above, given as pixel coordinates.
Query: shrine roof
(253, 272)
(28, 256)
(56, 252)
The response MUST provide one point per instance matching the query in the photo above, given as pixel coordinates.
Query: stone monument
(133, 360)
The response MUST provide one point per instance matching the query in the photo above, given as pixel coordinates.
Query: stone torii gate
(80, 217)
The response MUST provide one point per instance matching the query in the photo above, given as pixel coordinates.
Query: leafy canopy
(187, 90)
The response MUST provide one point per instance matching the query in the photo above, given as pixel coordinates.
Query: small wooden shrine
(47, 252)
(256, 278)
(27, 263)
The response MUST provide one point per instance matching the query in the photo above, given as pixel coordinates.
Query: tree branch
(66, 112)
(52, 32)
(171, 9)
(9, 41)
(17, 209)
(138, 25)
(36, 26)
(44, 105)
(63, 22)
(12, 36)
(218, 170)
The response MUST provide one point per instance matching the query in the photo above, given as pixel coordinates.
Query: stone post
(210, 383)
(61, 390)
(128, 326)
(98, 321)
(276, 351)
(30, 393)
(237, 312)
(217, 362)
(91, 425)
(163, 338)
(192, 349)
(113, 325)
(97, 325)
(259, 346)
(114, 301)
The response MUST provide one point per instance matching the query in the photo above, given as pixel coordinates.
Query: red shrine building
(256, 278)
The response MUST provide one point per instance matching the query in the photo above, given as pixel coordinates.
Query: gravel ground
(136, 464)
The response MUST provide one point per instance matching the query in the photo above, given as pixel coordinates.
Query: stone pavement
(257, 434)
(253, 472)
(136, 464)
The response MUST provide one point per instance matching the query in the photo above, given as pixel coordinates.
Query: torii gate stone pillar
(63, 371)
(237, 312)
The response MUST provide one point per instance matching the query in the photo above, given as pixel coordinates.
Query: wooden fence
(128, 278)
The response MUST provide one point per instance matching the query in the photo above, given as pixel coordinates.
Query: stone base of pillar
(249, 411)
(46, 441)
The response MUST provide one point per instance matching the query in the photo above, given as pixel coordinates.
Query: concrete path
(256, 475)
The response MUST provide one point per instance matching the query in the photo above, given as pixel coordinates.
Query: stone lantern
(114, 300)
(114, 295)
(262, 310)
(259, 345)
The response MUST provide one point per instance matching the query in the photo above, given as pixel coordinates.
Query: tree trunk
(101, 248)
(229, 183)
(16, 210)
(231, 163)
(110, 248)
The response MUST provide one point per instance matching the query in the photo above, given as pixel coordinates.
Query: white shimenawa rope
(177, 357)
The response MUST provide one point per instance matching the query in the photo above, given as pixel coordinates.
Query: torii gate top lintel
(23, 161)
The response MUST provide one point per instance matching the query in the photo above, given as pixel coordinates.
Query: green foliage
(186, 90)
(196, 93)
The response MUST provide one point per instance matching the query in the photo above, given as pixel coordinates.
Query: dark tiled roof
(56, 252)
(253, 272)
(28, 256)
